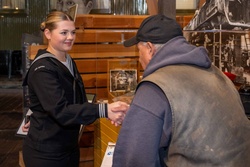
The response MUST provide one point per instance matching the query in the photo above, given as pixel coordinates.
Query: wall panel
(13, 26)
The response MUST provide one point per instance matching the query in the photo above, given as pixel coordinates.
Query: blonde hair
(53, 18)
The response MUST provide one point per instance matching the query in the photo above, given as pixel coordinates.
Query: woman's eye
(64, 33)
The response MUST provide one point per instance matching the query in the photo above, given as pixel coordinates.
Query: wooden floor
(10, 117)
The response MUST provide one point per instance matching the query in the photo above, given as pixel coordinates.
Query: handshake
(116, 114)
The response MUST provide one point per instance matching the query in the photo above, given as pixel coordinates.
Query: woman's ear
(47, 33)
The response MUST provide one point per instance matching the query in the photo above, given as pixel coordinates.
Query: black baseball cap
(157, 29)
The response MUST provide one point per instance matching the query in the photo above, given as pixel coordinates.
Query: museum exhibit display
(110, 71)
(223, 28)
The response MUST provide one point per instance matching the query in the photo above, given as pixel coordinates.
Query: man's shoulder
(150, 91)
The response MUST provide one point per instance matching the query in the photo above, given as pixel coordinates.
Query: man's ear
(151, 48)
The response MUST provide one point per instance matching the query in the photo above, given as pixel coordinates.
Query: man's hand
(117, 112)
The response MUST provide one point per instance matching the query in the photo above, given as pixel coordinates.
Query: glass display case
(123, 78)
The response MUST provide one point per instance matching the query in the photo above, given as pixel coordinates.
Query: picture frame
(101, 7)
(186, 7)
(123, 80)
(84, 7)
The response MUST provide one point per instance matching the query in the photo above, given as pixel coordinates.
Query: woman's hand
(25, 128)
(117, 112)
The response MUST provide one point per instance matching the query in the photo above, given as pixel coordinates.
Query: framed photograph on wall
(123, 80)
(84, 6)
(101, 7)
(186, 7)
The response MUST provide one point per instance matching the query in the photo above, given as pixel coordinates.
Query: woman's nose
(71, 36)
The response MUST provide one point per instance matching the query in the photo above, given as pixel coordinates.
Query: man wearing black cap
(185, 111)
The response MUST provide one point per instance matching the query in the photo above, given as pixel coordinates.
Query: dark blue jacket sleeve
(146, 129)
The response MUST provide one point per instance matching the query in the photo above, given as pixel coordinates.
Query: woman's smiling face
(62, 37)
